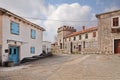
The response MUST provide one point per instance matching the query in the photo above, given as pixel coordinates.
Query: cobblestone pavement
(66, 67)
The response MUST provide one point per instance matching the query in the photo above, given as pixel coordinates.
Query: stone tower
(62, 32)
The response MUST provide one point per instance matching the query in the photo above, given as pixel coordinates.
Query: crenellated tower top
(66, 28)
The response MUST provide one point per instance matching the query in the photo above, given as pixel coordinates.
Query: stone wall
(105, 35)
(91, 46)
(54, 48)
(62, 32)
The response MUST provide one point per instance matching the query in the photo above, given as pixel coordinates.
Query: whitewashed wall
(24, 36)
(46, 45)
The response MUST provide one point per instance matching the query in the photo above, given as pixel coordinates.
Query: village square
(91, 52)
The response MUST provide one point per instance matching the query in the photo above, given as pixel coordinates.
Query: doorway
(117, 46)
(79, 48)
(14, 54)
(71, 49)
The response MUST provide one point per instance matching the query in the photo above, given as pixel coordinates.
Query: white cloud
(67, 14)
(37, 9)
(23, 8)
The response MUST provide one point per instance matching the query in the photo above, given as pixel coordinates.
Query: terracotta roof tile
(82, 31)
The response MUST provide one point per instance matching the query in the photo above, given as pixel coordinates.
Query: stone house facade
(107, 40)
(54, 47)
(62, 32)
(19, 38)
(84, 41)
(109, 32)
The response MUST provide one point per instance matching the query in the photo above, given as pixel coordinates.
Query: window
(86, 36)
(14, 51)
(60, 45)
(79, 37)
(84, 44)
(14, 28)
(32, 50)
(94, 34)
(116, 21)
(33, 34)
(79, 47)
(74, 38)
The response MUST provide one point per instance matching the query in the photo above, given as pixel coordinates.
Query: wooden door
(13, 54)
(117, 46)
(79, 47)
(71, 49)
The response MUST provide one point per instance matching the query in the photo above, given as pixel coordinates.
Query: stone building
(62, 32)
(84, 41)
(54, 47)
(109, 32)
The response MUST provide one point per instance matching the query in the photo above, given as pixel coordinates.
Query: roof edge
(107, 12)
(15, 15)
(82, 32)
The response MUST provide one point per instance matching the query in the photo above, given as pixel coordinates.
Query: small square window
(116, 21)
(86, 36)
(79, 37)
(32, 50)
(14, 28)
(94, 34)
(74, 38)
(84, 44)
(33, 34)
(61, 45)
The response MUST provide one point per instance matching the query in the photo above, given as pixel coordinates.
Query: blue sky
(97, 6)
(52, 14)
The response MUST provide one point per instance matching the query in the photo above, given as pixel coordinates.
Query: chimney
(83, 27)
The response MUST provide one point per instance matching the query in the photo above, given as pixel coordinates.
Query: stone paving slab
(3, 69)
(67, 67)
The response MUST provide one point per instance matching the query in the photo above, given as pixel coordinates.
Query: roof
(82, 31)
(4, 11)
(107, 13)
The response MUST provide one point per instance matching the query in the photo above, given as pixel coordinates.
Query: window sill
(115, 27)
(115, 30)
(14, 33)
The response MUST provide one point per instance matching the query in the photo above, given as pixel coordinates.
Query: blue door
(13, 54)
